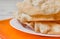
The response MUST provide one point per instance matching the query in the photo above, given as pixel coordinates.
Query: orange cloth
(8, 32)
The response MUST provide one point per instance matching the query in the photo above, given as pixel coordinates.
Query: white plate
(15, 24)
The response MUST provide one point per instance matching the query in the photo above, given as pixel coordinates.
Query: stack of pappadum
(42, 16)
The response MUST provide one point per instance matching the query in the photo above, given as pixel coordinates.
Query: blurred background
(7, 7)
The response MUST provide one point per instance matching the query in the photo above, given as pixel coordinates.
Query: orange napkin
(8, 32)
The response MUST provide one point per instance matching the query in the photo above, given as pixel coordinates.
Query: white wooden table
(7, 7)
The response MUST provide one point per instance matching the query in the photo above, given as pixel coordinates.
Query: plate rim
(39, 34)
